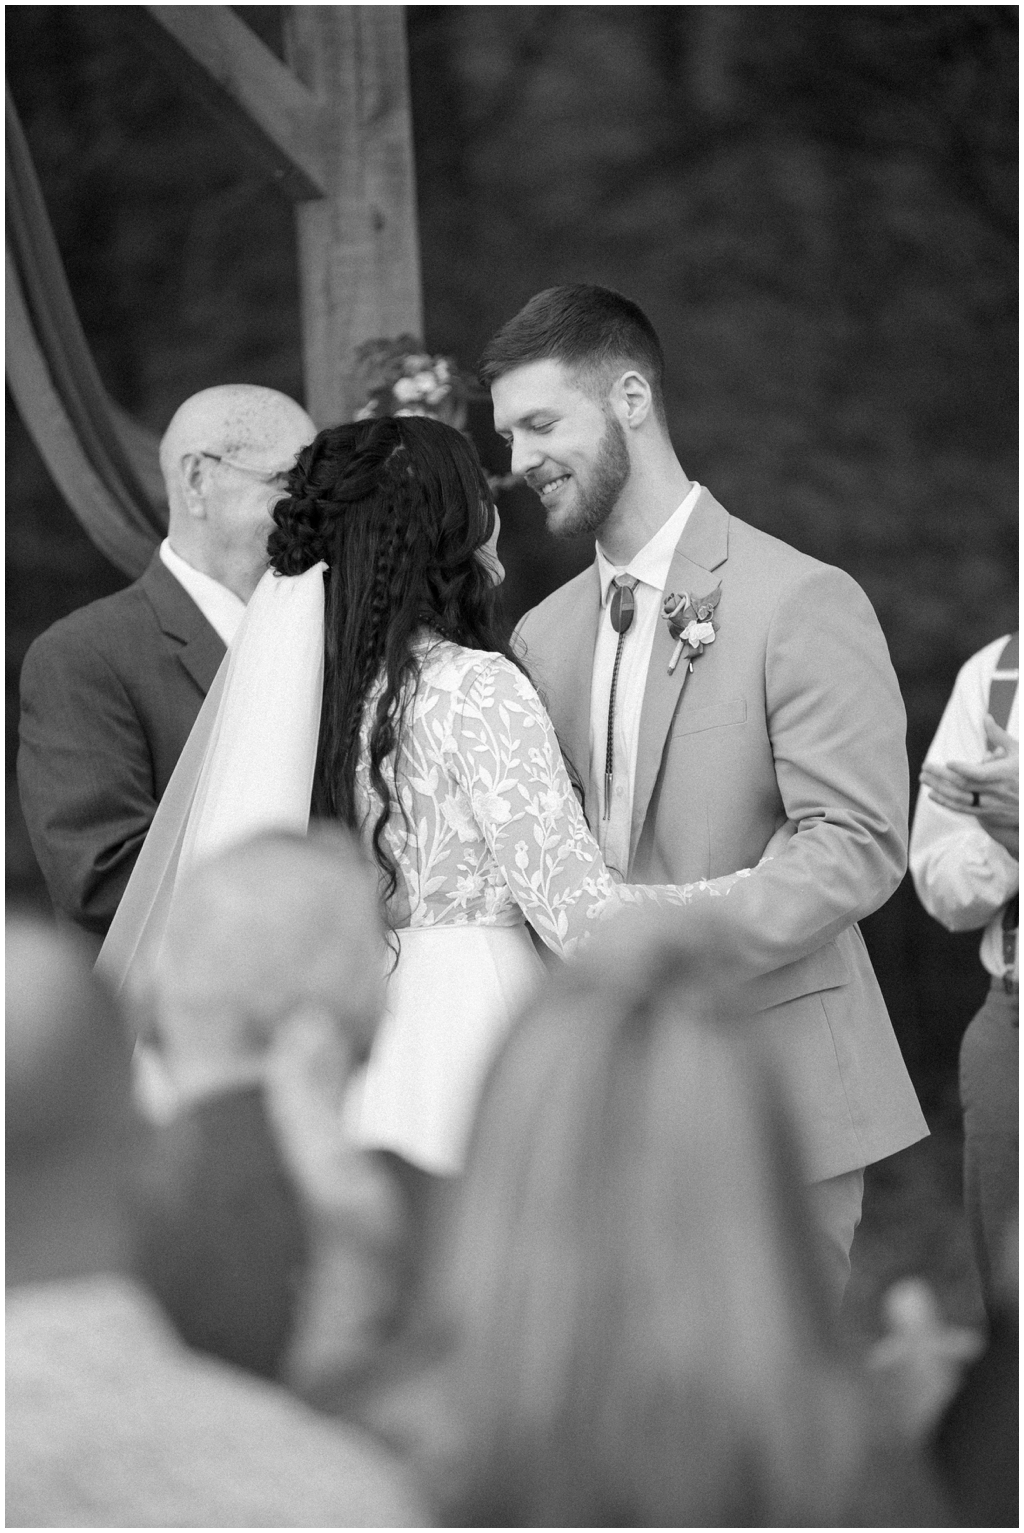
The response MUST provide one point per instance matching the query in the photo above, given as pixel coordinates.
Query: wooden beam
(222, 60)
(358, 248)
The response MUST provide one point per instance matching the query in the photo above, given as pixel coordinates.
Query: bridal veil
(247, 765)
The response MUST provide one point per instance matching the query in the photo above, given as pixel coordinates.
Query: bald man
(276, 928)
(110, 693)
(264, 999)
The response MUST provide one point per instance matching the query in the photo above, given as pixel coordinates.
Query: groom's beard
(597, 496)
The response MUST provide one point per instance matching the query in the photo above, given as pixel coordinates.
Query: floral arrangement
(400, 378)
(691, 622)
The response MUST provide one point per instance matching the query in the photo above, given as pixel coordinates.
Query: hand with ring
(987, 789)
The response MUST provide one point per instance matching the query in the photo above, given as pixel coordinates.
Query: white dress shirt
(650, 569)
(221, 608)
(962, 877)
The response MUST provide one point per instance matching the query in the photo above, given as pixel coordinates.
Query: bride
(369, 683)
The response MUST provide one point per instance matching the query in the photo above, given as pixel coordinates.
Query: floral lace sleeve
(507, 759)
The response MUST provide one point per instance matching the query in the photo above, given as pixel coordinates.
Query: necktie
(621, 612)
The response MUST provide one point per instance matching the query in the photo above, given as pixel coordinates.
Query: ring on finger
(975, 799)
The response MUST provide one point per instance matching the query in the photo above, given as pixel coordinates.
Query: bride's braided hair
(397, 508)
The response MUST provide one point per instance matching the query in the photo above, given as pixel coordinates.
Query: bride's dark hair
(397, 508)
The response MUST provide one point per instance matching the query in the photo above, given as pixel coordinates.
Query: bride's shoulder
(453, 668)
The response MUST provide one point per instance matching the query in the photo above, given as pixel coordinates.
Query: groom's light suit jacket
(793, 711)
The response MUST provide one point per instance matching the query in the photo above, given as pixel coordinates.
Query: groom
(768, 696)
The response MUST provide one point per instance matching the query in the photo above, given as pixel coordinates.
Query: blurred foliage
(816, 206)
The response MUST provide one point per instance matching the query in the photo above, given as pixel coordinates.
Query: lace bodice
(492, 831)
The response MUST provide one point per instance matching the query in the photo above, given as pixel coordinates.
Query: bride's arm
(680, 894)
(507, 759)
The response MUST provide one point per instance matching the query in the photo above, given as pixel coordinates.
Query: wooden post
(358, 247)
(222, 61)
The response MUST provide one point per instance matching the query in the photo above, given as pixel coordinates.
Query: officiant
(110, 692)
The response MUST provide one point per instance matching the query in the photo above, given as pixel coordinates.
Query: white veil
(247, 766)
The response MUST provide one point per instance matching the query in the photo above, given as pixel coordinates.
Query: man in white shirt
(964, 851)
(649, 569)
(110, 693)
(764, 694)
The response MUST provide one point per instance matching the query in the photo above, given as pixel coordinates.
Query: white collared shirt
(963, 878)
(221, 608)
(649, 567)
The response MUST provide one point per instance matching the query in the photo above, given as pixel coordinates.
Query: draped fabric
(104, 464)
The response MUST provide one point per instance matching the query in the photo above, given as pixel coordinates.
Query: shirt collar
(651, 563)
(222, 609)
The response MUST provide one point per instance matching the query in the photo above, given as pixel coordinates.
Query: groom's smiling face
(565, 440)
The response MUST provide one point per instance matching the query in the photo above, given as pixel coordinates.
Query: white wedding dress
(490, 835)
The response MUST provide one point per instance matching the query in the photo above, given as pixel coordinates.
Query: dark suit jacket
(108, 697)
(219, 1233)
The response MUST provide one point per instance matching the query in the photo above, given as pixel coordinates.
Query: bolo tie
(622, 612)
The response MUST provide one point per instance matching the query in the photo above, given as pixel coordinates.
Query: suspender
(1001, 693)
(1003, 688)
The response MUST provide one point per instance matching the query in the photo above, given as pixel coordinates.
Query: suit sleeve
(837, 727)
(506, 758)
(85, 776)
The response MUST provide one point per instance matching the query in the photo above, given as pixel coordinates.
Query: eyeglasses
(276, 480)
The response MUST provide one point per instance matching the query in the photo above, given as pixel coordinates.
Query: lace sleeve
(507, 758)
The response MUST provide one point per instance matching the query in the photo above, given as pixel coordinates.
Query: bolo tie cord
(622, 612)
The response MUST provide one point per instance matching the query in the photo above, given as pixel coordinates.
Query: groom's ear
(632, 399)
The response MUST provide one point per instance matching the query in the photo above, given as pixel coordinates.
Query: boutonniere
(691, 622)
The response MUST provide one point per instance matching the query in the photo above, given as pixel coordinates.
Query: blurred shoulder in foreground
(110, 1420)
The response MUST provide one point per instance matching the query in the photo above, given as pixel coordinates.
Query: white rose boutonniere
(691, 622)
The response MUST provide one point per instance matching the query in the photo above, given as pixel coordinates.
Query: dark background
(815, 205)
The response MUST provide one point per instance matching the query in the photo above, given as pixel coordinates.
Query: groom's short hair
(593, 330)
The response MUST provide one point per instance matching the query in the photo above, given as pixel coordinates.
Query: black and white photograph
(512, 985)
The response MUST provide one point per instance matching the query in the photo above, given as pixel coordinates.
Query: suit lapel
(575, 679)
(703, 546)
(202, 649)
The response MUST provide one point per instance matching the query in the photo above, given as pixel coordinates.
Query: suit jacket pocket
(727, 710)
(825, 969)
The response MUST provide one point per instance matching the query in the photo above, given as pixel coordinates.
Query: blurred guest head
(253, 1212)
(641, 1335)
(276, 927)
(225, 459)
(68, 1117)
(576, 381)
